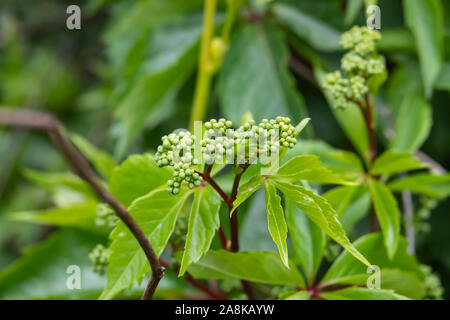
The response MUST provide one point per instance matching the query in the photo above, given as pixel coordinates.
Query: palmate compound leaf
(393, 162)
(203, 224)
(320, 212)
(262, 267)
(401, 273)
(276, 220)
(345, 164)
(309, 168)
(156, 214)
(387, 213)
(405, 283)
(427, 184)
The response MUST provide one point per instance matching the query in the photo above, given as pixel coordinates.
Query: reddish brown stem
(233, 219)
(216, 187)
(223, 238)
(368, 113)
(31, 119)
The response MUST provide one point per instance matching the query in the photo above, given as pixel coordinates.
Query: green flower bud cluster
(241, 146)
(359, 64)
(105, 216)
(362, 40)
(177, 151)
(99, 257)
(432, 284)
(426, 205)
(218, 141)
(267, 137)
(353, 63)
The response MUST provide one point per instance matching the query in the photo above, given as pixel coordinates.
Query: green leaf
(101, 160)
(254, 226)
(254, 76)
(425, 19)
(246, 190)
(371, 245)
(318, 34)
(393, 162)
(55, 181)
(356, 210)
(308, 240)
(339, 198)
(301, 125)
(443, 81)
(41, 272)
(396, 40)
(405, 283)
(425, 184)
(353, 9)
(276, 221)
(80, 215)
(203, 224)
(413, 124)
(156, 214)
(137, 176)
(387, 213)
(344, 163)
(157, 65)
(307, 168)
(295, 295)
(357, 293)
(149, 14)
(319, 211)
(263, 267)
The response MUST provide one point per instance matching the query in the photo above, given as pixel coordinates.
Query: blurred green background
(127, 78)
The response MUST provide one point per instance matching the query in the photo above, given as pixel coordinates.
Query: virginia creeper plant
(250, 205)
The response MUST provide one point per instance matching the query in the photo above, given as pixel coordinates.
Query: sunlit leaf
(393, 162)
(203, 224)
(319, 211)
(388, 214)
(137, 176)
(276, 220)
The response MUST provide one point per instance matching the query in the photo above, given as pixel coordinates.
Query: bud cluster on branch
(360, 65)
(220, 144)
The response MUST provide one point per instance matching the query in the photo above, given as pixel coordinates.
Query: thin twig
(435, 167)
(216, 187)
(31, 119)
(234, 226)
(409, 220)
(302, 70)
